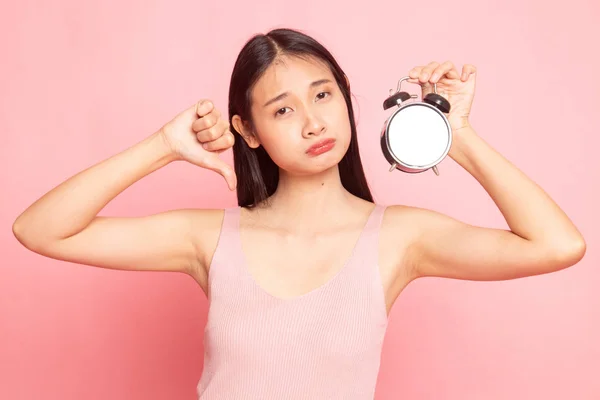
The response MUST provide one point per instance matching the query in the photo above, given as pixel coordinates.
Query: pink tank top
(325, 344)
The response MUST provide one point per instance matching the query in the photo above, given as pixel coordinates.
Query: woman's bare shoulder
(399, 229)
(206, 225)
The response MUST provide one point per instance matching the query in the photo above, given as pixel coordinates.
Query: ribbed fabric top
(325, 344)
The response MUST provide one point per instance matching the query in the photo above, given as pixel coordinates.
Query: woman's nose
(314, 125)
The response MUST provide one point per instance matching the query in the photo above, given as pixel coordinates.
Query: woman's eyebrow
(286, 94)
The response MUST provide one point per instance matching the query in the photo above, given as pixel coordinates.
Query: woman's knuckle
(215, 133)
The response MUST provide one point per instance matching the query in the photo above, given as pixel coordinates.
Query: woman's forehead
(289, 74)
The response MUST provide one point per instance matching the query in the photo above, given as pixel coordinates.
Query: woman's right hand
(198, 135)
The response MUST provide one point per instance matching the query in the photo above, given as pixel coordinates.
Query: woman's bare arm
(63, 224)
(541, 237)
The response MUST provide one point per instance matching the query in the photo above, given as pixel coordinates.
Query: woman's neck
(308, 201)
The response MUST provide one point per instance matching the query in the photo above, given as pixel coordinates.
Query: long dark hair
(257, 174)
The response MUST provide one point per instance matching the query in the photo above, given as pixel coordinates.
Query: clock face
(419, 136)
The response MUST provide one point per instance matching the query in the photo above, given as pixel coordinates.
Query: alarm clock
(417, 136)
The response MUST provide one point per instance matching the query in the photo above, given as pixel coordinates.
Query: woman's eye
(281, 111)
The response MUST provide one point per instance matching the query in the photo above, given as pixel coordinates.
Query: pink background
(81, 81)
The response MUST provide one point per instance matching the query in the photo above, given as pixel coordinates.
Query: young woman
(301, 276)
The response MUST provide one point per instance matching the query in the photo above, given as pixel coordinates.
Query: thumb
(426, 88)
(223, 169)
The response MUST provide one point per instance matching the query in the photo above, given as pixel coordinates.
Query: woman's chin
(315, 168)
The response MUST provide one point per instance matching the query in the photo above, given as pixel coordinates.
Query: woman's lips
(321, 147)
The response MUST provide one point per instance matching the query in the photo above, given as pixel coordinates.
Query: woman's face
(300, 116)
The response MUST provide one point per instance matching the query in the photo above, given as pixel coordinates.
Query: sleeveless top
(324, 344)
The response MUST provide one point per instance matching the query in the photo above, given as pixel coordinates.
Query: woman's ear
(244, 130)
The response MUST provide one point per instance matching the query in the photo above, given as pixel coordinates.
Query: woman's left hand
(457, 88)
